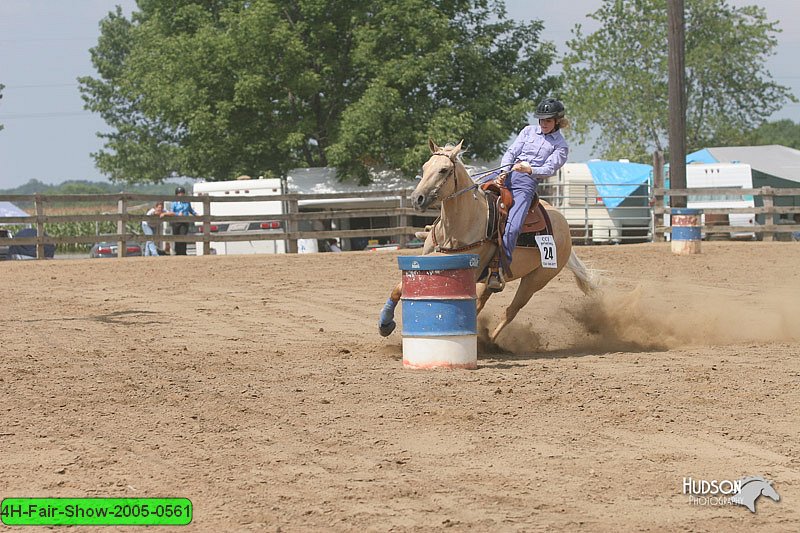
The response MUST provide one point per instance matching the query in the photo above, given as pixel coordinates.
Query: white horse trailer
(260, 211)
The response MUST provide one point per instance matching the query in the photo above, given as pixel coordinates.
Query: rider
(538, 152)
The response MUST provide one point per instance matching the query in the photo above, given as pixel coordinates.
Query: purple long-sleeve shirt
(545, 153)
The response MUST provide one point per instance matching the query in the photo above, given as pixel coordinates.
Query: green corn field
(75, 229)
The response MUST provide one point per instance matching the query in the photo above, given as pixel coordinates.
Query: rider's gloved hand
(522, 166)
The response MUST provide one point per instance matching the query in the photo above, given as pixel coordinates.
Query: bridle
(435, 193)
(452, 171)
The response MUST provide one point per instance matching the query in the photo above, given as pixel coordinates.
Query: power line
(41, 85)
(46, 39)
(56, 114)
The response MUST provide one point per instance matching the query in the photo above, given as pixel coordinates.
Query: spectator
(333, 245)
(181, 209)
(150, 248)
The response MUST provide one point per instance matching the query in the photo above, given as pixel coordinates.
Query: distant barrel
(440, 327)
(686, 227)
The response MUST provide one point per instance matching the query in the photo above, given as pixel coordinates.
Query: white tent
(7, 209)
(774, 160)
(323, 180)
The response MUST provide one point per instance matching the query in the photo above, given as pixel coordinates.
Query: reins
(459, 249)
(472, 177)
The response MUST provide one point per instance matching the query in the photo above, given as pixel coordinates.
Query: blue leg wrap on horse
(387, 323)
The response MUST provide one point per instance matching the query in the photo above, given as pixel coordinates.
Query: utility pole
(677, 100)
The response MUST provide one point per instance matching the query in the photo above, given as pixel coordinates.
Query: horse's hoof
(387, 329)
(495, 283)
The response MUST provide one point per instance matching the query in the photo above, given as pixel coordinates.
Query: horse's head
(751, 489)
(769, 491)
(438, 176)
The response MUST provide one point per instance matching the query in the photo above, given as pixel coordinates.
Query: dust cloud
(643, 318)
(650, 318)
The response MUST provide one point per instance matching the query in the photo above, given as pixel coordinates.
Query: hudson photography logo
(744, 491)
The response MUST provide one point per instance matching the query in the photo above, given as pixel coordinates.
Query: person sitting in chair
(538, 152)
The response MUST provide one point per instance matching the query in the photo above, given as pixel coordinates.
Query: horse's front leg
(387, 324)
(483, 294)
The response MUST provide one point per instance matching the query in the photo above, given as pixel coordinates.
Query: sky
(44, 47)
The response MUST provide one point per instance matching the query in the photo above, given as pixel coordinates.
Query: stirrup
(495, 282)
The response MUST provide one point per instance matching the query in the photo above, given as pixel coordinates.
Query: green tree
(83, 187)
(139, 147)
(784, 132)
(616, 78)
(219, 88)
(446, 73)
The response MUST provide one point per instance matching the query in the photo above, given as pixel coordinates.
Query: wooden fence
(291, 217)
(767, 212)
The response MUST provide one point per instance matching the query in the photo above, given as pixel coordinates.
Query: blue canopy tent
(701, 156)
(615, 180)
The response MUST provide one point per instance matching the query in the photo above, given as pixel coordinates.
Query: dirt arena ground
(259, 388)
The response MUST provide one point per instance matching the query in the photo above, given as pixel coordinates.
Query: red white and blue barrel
(686, 234)
(440, 328)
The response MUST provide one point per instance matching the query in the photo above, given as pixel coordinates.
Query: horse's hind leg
(528, 285)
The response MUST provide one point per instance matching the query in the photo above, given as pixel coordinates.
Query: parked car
(109, 249)
(28, 251)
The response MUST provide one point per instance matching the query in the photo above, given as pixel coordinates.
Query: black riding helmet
(549, 108)
(180, 190)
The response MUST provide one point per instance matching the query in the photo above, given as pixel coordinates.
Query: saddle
(537, 222)
(500, 200)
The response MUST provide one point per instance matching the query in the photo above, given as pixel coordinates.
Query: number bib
(547, 249)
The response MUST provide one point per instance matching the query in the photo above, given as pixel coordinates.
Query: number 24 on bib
(547, 249)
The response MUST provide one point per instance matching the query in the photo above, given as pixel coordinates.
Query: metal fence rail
(591, 221)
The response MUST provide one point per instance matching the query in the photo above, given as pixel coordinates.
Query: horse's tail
(588, 280)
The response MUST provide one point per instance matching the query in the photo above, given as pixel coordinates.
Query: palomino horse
(462, 229)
